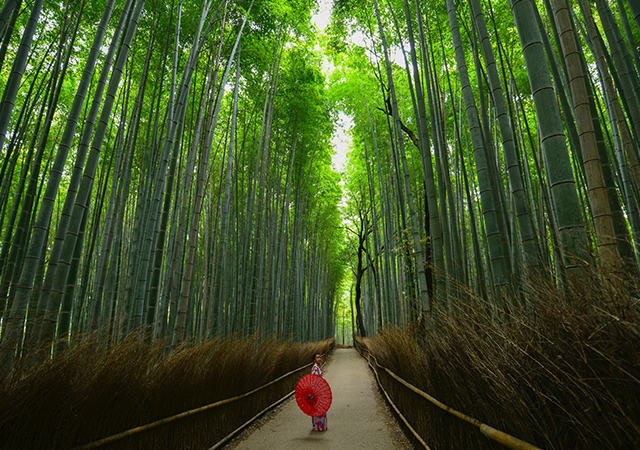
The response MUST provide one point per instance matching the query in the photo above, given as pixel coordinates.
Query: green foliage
(271, 243)
(285, 199)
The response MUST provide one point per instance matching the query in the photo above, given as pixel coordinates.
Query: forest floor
(358, 417)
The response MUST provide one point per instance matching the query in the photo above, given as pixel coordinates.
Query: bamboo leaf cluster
(165, 167)
(494, 147)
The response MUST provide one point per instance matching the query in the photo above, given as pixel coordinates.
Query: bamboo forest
(201, 192)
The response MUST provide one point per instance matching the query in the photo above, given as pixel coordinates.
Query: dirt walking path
(358, 418)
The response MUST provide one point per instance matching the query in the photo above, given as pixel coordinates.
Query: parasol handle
(310, 396)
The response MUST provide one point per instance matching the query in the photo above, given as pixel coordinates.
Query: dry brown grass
(562, 375)
(92, 391)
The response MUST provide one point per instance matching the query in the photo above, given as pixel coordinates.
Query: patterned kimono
(319, 423)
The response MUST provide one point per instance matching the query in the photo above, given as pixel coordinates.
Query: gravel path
(358, 418)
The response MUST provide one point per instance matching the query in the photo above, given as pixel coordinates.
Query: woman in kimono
(319, 423)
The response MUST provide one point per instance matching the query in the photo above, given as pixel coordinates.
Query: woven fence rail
(498, 436)
(209, 426)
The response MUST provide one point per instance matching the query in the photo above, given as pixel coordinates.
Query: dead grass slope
(93, 390)
(565, 374)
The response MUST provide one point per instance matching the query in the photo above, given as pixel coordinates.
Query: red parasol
(313, 395)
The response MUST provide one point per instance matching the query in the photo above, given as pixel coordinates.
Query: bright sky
(340, 139)
(321, 20)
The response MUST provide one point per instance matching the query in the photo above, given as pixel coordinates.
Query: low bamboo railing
(193, 412)
(496, 435)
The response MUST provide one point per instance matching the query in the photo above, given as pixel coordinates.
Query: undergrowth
(562, 374)
(92, 391)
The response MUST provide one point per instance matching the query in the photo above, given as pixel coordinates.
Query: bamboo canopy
(169, 167)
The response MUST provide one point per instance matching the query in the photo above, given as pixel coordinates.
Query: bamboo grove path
(358, 417)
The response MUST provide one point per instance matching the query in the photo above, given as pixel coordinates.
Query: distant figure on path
(319, 423)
